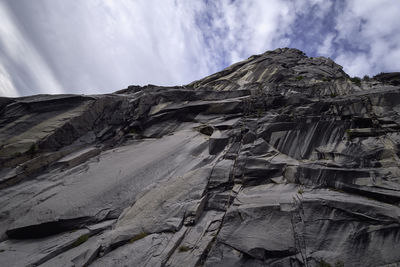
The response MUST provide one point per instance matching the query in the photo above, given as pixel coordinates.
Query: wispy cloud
(238, 29)
(7, 87)
(102, 46)
(17, 51)
(366, 37)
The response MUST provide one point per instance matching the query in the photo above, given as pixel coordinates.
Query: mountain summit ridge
(273, 67)
(277, 160)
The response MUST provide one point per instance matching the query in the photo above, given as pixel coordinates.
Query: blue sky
(94, 46)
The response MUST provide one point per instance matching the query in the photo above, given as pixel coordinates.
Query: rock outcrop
(278, 160)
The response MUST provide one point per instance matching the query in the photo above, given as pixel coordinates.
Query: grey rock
(197, 240)
(221, 173)
(163, 208)
(278, 160)
(33, 252)
(65, 199)
(152, 250)
(218, 142)
(249, 137)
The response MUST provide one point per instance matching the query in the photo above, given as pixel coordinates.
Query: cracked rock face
(278, 160)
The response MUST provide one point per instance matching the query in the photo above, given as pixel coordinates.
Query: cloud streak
(19, 55)
(101, 46)
(7, 87)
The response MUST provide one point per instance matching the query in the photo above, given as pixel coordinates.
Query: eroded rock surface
(278, 160)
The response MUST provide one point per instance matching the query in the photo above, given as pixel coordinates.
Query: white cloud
(326, 49)
(106, 45)
(357, 64)
(304, 7)
(22, 53)
(372, 28)
(249, 27)
(7, 87)
(102, 46)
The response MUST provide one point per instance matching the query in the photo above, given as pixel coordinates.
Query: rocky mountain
(278, 160)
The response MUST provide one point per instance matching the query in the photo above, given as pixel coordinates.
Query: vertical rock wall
(278, 160)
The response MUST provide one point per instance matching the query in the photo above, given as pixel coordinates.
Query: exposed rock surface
(278, 160)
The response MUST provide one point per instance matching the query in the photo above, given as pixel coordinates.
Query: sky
(101, 46)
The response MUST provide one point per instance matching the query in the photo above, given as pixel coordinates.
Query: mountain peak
(280, 71)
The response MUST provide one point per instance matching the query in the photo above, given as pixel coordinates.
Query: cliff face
(278, 160)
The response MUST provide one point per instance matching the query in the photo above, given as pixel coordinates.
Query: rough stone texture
(278, 160)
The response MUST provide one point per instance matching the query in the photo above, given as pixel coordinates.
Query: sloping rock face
(278, 160)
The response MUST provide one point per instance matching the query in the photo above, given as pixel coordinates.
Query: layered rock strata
(278, 160)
